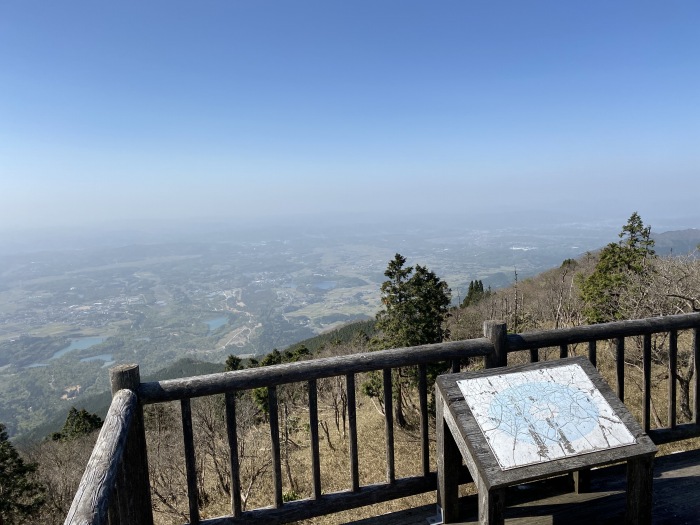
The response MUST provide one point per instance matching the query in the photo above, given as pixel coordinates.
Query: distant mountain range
(676, 242)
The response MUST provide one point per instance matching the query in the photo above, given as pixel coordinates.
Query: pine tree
(617, 262)
(20, 496)
(475, 293)
(415, 306)
(78, 423)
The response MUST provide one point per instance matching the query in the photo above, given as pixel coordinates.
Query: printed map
(540, 415)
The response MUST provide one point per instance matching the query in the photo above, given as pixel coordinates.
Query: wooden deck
(676, 499)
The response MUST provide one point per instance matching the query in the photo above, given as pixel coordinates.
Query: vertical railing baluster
(455, 366)
(646, 366)
(352, 430)
(672, 364)
(389, 426)
(620, 367)
(313, 427)
(592, 353)
(534, 355)
(275, 441)
(563, 351)
(232, 434)
(190, 460)
(423, 398)
(696, 375)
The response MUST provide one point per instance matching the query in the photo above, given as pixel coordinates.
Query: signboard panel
(545, 414)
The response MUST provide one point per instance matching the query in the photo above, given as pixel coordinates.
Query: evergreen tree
(415, 306)
(475, 293)
(617, 263)
(297, 353)
(233, 362)
(20, 496)
(78, 423)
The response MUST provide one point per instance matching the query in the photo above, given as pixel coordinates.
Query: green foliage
(475, 294)
(78, 423)
(233, 363)
(276, 357)
(358, 331)
(290, 495)
(617, 263)
(415, 304)
(20, 496)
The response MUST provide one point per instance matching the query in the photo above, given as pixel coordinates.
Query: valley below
(66, 316)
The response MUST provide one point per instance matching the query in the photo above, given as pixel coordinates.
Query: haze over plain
(131, 113)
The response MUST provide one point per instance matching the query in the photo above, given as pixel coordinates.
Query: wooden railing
(122, 444)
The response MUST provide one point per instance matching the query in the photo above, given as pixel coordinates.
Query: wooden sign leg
(449, 461)
(640, 477)
(492, 503)
(582, 481)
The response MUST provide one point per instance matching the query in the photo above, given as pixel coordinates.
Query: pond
(216, 323)
(79, 344)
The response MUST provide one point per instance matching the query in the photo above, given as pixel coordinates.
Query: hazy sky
(222, 109)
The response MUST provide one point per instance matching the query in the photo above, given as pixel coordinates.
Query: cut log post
(133, 487)
(497, 333)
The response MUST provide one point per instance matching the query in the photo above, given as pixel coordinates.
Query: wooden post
(582, 481)
(449, 460)
(696, 375)
(497, 332)
(620, 367)
(640, 476)
(352, 431)
(132, 487)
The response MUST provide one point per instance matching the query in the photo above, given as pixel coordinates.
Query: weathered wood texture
(696, 375)
(352, 433)
(190, 460)
(133, 488)
(672, 366)
(302, 371)
(491, 479)
(275, 442)
(460, 419)
(389, 426)
(449, 460)
(496, 332)
(553, 501)
(313, 431)
(494, 347)
(424, 417)
(333, 502)
(91, 500)
(620, 367)
(232, 435)
(646, 370)
(598, 332)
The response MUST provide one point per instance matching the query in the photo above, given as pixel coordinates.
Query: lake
(79, 344)
(216, 323)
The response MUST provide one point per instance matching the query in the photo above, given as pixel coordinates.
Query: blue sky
(136, 111)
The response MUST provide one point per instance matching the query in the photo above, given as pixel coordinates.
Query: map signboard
(541, 415)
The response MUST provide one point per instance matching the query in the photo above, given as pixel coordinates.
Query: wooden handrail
(597, 332)
(205, 385)
(494, 348)
(92, 498)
